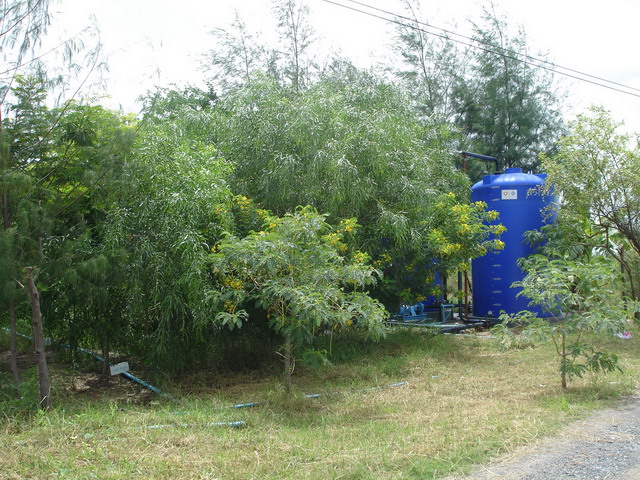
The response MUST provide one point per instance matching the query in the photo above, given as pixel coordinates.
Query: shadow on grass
(349, 347)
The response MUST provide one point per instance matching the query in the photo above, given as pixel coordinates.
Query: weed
(464, 402)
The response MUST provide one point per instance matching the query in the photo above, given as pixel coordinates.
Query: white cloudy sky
(158, 42)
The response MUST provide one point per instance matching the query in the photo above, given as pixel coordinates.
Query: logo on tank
(509, 194)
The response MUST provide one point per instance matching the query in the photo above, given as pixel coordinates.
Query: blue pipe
(393, 385)
(245, 405)
(99, 358)
(484, 158)
(147, 385)
(239, 405)
(131, 377)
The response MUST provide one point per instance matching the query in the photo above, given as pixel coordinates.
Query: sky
(151, 43)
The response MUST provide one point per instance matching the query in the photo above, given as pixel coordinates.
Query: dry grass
(465, 402)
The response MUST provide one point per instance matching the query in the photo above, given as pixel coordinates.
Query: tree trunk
(287, 363)
(13, 348)
(563, 368)
(38, 341)
(106, 370)
(11, 304)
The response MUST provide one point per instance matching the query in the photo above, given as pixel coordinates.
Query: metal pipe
(460, 316)
(245, 405)
(466, 296)
(461, 327)
(99, 358)
(484, 158)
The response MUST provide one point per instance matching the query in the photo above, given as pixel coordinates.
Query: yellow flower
(492, 215)
(360, 257)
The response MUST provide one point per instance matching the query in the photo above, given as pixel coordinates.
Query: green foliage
(507, 107)
(120, 215)
(453, 232)
(169, 104)
(300, 272)
(579, 296)
(352, 147)
(23, 23)
(237, 57)
(164, 218)
(595, 176)
(297, 35)
(434, 67)
(588, 282)
(240, 56)
(504, 106)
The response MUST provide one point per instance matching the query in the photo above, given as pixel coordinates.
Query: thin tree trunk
(106, 370)
(287, 363)
(38, 341)
(563, 373)
(11, 304)
(13, 348)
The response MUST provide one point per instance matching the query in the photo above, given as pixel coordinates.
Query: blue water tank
(517, 198)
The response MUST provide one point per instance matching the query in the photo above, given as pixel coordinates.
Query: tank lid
(512, 177)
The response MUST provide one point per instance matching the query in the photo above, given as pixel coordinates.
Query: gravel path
(606, 445)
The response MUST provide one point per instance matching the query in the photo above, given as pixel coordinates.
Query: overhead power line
(486, 47)
(512, 52)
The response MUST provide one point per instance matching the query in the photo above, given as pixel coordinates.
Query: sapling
(302, 274)
(576, 296)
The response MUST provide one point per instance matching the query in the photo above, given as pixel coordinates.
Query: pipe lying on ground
(459, 328)
(318, 395)
(127, 375)
(442, 327)
(393, 385)
(245, 405)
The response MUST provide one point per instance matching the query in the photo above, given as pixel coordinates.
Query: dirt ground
(605, 445)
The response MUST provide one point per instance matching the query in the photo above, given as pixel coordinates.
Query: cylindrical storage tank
(522, 207)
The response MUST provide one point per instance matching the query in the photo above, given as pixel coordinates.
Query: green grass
(465, 402)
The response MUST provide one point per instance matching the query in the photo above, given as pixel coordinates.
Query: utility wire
(473, 43)
(512, 52)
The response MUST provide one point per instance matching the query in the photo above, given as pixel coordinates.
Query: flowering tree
(452, 232)
(302, 274)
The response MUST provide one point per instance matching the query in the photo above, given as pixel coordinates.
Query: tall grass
(464, 402)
